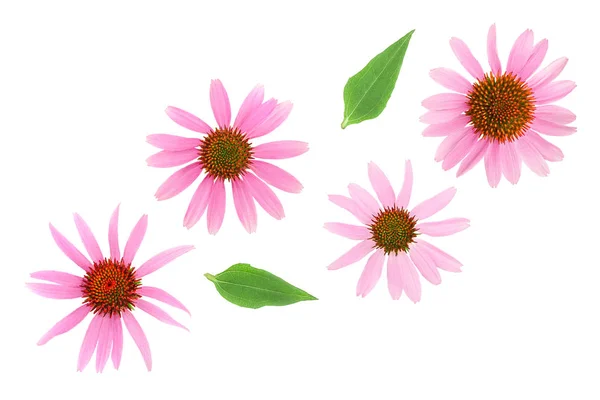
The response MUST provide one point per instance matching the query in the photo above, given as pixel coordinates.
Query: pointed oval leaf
(246, 286)
(367, 93)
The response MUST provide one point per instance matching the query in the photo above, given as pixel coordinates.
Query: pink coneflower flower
(499, 117)
(226, 153)
(390, 229)
(110, 289)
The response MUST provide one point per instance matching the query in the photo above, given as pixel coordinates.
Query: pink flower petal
(258, 116)
(475, 155)
(464, 55)
(216, 207)
(168, 159)
(535, 59)
(442, 116)
(280, 150)
(276, 176)
(136, 332)
(117, 347)
(511, 162)
(161, 295)
(409, 277)
(520, 52)
(425, 265)
(451, 80)
(447, 128)
(276, 118)
(553, 91)
(363, 199)
(187, 120)
(264, 196)
(52, 291)
(371, 274)
(355, 254)
(219, 102)
(88, 239)
(90, 340)
(555, 114)
(66, 324)
(493, 165)
(104, 344)
(250, 104)
(61, 278)
(161, 259)
(244, 205)
(548, 74)
(441, 259)
(135, 239)
(459, 152)
(549, 151)
(492, 51)
(353, 232)
(199, 202)
(69, 250)
(158, 313)
(113, 235)
(551, 128)
(393, 277)
(531, 157)
(443, 228)
(446, 101)
(172, 142)
(381, 185)
(350, 206)
(404, 195)
(433, 205)
(178, 182)
(451, 141)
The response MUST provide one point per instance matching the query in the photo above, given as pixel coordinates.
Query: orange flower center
(393, 229)
(225, 153)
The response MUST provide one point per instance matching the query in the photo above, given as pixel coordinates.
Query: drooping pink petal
(451, 141)
(511, 162)
(168, 159)
(549, 151)
(104, 343)
(216, 207)
(172, 142)
(350, 205)
(52, 291)
(381, 185)
(280, 150)
(135, 239)
(464, 55)
(441, 259)
(446, 101)
(136, 332)
(353, 232)
(219, 101)
(451, 80)
(404, 195)
(276, 118)
(371, 274)
(187, 120)
(264, 196)
(425, 265)
(276, 177)
(66, 324)
(161, 295)
(244, 205)
(90, 340)
(113, 235)
(447, 128)
(433, 205)
(69, 250)
(178, 182)
(158, 313)
(258, 115)
(440, 117)
(161, 259)
(475, 155)
(553, 91)
(393, 277)
(117, 347)
(520, 52)
(548, 74)
(493, 166)
(492, 51)
(61, 278)
(459, 152)
(363, 199)
(531, 157)
(88, 239)
(535, 59)
(409, 277)
(551, 128)
(199, 202)
(249, 105)
(443, 228)
(555, 114)
(355, 254)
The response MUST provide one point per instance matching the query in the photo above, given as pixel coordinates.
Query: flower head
(110, 290)
(500, 116)
(226, 153)
(390, 229)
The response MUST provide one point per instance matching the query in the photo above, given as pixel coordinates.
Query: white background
(82, 85)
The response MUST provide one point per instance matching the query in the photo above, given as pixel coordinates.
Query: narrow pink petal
(520, 52)
(451, 80)
(264, 196)
(353, 232)
(459, 152)
(350, 205)
(168, 159)
(66, 324)
(555, 114)
(446, 101)
(199, 202)
(451, 141)
(172, 142)
(178, 182)
(52, 291)
(553, 91)
(409, 277)
(244, 205)
(425, 265)
(441, 259)
(90, 340)
(158, 313)
(355, 254)
(136, 332)
(250, 103)
(492, 52)
(187, 120)
(493, 167)
(475, 155)
(363, 199)
(276, 177)
(404, 195)
(531, 157)
(464, 55)
(161, 259)
(280, 150)
(551, 128)
(161, 295)
(535, 59)
(113, 235)
(135, 239)
(547, 74)
(511, 162)
(393, 277)
(276, 118)
(216, 207)
(219, 102)
(447, 128)
(117, 347)
(443, 228)
(433, 205)
(549, 151)
(61, 278)
(441, 116)
(88, 239)
(371, 274)
(258, 115)
(381, 185)
(104, 343)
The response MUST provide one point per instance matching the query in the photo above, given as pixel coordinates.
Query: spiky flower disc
(393, 229)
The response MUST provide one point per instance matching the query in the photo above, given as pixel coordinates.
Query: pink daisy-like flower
(111, 289)
(390, 229)
(499, 117)
(226, 153)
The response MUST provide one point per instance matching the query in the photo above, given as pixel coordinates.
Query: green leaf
(246, 286)
(366, 94)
